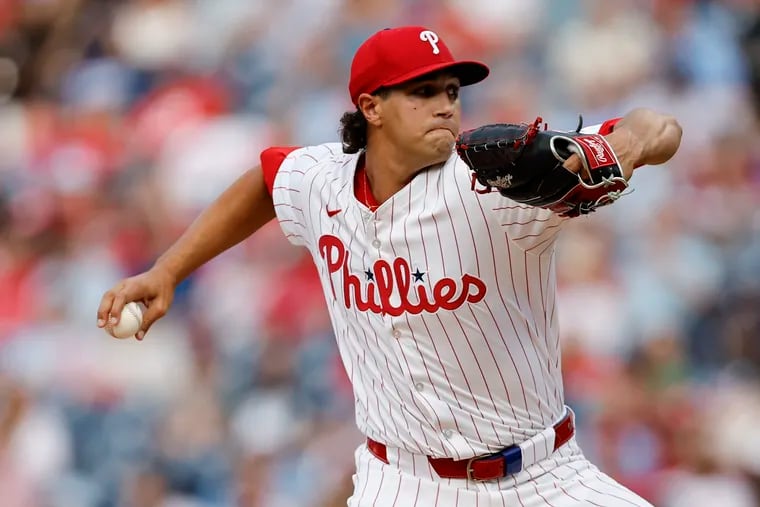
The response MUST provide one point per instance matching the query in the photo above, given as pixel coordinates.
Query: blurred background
(120, 120)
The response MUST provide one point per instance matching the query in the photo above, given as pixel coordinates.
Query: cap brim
(468, 71)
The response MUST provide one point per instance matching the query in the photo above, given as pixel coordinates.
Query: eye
(426, 91)
(453, 92)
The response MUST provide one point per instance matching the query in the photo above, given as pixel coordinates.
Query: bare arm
(641, 137)
(237, 213)
(644, 137)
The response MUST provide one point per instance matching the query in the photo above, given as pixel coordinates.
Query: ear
(371, 107)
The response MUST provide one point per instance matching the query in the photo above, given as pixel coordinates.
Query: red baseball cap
(396, 55)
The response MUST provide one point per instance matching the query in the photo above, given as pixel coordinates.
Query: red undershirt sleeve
(608, 126)
(271, 160)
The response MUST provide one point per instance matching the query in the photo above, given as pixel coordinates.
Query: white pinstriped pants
(564, 479)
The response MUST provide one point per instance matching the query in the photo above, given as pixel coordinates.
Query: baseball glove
(525, 163)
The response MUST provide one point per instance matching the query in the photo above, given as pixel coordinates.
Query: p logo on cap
(432, 38)
(397, 55)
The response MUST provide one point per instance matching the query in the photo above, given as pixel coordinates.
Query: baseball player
(442, 298)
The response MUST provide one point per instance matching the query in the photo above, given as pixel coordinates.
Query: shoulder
(277, 160)
(321, 154)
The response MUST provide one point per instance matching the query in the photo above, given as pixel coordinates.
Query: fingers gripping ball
(129, 323)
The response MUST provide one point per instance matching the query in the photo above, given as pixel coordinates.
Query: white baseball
(129, 323)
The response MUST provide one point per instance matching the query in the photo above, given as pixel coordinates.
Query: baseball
(129, 323)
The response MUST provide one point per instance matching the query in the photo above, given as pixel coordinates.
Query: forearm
(653, 138)
(236, 214)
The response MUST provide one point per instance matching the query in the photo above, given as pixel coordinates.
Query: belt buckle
(512, 459)
(470, 470)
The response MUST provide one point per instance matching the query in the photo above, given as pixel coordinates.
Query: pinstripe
(463, 334)
(546, 322)
(467, 382)
(365, 332)
(607, 494)
(427, 369)
(512, 206)
(379, 486)
(498, 328)
(478, 256)
(398, 490)
(564, 490)
(541, 339)
(288, 220)
(277, 205)
(483, 376)
(403, 355)
(536, 235)
(549, 243)
(411, 327)
(547, 297)
(366, 478)
(611, 488)
(374, 393)
(398, 389)
(433, 341)
(535, 486)
(393, 380)
(529, 222)
(456, 421)
(606, 479)
(519, 335)
(333, 224)
(517, 494)
(558, 357)
(506, 343)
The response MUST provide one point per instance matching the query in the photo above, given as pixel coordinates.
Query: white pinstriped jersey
(442, 301)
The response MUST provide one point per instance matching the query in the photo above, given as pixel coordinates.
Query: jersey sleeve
(533, 228)
(271, 160)
(292, 186)
(530, 227)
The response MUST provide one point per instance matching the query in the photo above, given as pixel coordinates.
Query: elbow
(666, 142)
(659, 134)
(672, 132)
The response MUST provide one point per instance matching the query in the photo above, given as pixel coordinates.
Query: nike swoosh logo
(332, 212)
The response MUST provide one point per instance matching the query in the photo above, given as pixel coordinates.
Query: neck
(388, 171)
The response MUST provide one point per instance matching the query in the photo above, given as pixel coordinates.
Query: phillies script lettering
(395, 277)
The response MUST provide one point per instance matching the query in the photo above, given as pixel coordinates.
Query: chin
(436, 150)
(443, 148)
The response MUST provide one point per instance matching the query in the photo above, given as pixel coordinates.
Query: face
(420, 119)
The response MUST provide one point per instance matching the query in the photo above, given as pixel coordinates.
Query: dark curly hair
(353, 127)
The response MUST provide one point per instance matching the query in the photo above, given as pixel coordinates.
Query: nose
(444, 106)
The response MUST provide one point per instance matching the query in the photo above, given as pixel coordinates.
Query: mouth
(444, 129)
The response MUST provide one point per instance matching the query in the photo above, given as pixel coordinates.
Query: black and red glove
(525, 163)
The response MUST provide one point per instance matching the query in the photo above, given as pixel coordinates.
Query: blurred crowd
(121, 119)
